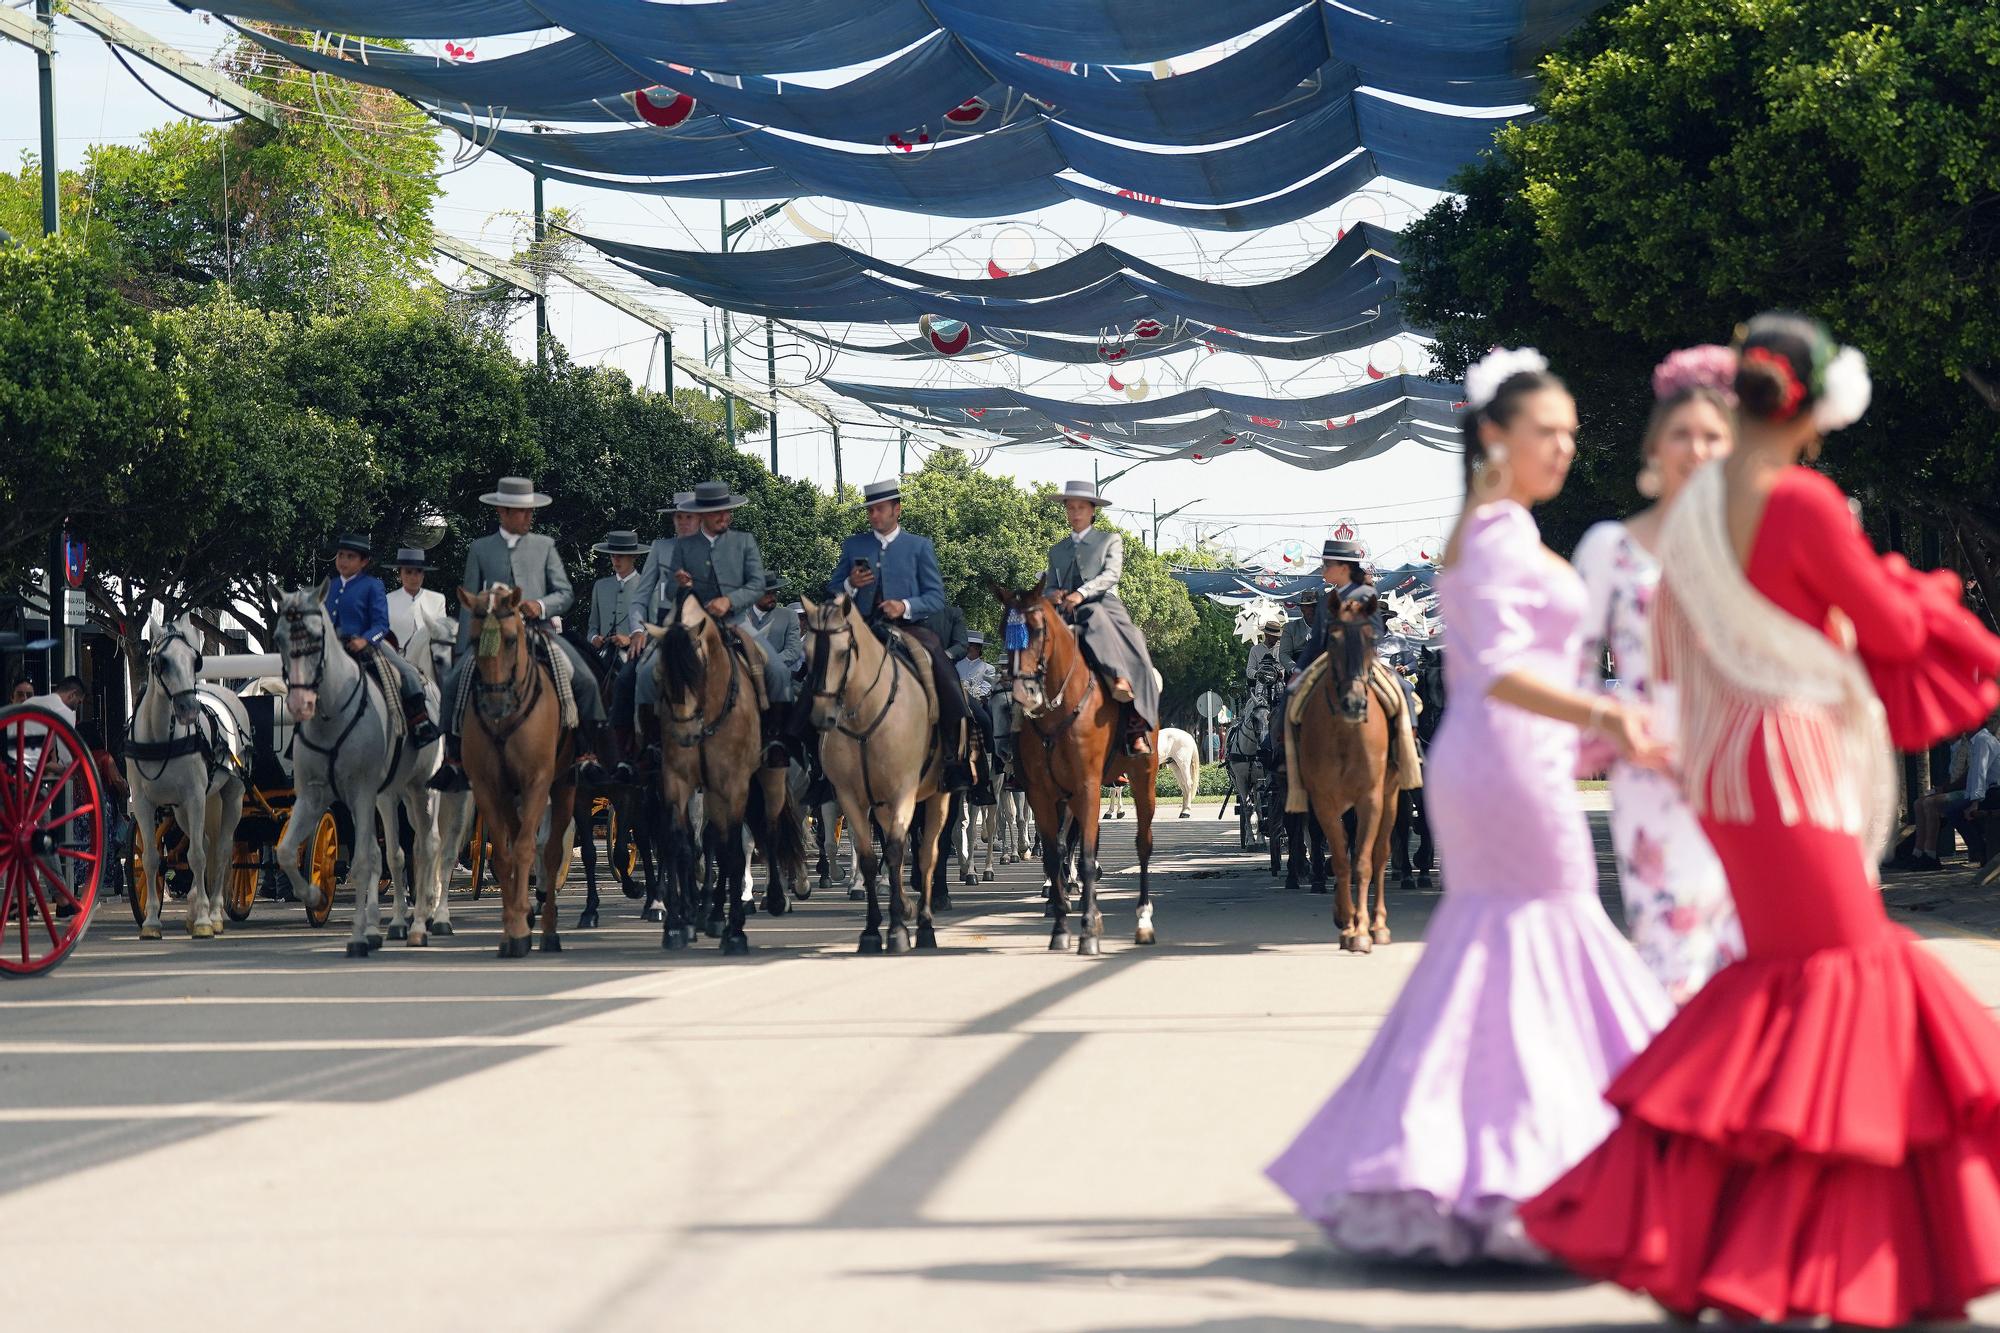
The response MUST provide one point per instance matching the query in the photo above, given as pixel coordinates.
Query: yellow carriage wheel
(476, 852)
(242, 895)
(323, 868)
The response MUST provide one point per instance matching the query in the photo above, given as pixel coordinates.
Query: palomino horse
(172, 760)
(711, 744)
(1068, 750)
(518, 757)
(353, 750)
(1345, 754)
(876, 720)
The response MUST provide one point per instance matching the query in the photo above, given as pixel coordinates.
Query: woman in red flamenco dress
(1817, 1134)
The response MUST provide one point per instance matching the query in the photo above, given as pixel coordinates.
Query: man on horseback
(648, 592)
(1265, 661)
(778, 627)
(892, 577)
(1084, 569)
(359, 610)
(614, 609)
(526, 561)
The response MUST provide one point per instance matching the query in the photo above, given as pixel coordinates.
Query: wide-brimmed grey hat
(682, 499)
(1338, 548)
(1081, 490)
(620, 541)
(711, 497)
(772, 582)
(515, 493)
(974, 639)
(412, 557)
(353, 541)
(875, 492)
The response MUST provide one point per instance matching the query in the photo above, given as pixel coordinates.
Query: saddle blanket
(392, 692)
(1388, 692)
(549, 656)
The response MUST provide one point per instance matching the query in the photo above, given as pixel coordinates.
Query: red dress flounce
(1818, 1132)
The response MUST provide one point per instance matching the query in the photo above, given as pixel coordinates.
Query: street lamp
(1159, 518)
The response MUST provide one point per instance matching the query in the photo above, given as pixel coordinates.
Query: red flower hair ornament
(1795, 390)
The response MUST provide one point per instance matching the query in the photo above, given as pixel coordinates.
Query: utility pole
(45, 78)
(728, 403)
(902, 452)
(542, 296)
(771, 379)
(1159, 518)
(839, 484)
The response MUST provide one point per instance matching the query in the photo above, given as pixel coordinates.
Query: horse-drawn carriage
(52, 831)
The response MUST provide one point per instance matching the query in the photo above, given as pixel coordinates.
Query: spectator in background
(1975, 772)
(24, 690)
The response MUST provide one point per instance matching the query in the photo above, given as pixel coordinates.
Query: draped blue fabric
(1384, 321)
(977, 108)
(970, 407)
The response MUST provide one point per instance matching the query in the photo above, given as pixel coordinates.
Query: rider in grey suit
(1084, 569)
(784, 641)
(526, 561)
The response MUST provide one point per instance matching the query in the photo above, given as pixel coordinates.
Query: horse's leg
(419, 804)
(1351, 936)
(898, 876)
(587, 846)
(868, 867)
(396, 864)
(928, 840)
(1083, 837)
(1053, 871)
(1378, 916)
(301, 824)
(1145, 805)
(555, 859)
(145, 827)
(714, 890)
(734, 864)
(454, 826)
(364, 872)
(223, 855)
(195, 830)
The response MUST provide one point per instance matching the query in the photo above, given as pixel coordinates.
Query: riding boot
(417, 715)
(451, 773)
(957, 770)
(624, 748)
(776, 753)
(1138, 736)
(589, 737)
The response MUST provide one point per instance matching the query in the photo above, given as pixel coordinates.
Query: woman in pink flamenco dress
(1486, 1080)
(1817, 1134)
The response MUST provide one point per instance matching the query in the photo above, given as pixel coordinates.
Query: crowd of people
(1769, 1102)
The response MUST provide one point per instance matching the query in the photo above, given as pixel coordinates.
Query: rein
(1050, 737)
(698, 738)
(514, 710)
(850, 711)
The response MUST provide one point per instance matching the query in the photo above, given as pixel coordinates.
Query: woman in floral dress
(1677, 905)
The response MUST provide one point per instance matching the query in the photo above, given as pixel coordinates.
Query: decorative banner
(947, 337)
(1250, 620)
(661, 107)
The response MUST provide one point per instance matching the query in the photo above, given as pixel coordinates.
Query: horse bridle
(173, 747)
(839, 695)
(508, 691)
(295, 639)
(1050, 703)
(174, 635)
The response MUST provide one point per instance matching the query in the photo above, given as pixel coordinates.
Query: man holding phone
(892, 575)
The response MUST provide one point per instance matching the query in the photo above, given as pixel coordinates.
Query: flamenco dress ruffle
(1949, 690)
(1818, 1132)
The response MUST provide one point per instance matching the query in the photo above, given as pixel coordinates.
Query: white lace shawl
(1745, 667)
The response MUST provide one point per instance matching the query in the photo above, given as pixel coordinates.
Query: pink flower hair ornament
(1708, 366)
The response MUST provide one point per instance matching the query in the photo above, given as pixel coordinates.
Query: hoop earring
(1649, 482)
(1493, 478)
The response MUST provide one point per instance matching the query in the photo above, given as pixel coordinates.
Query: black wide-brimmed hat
(711, 497)
(355, 542)
(620, 541)
(515, 493)
(1339, 548)
(875, 492)
(411, 557)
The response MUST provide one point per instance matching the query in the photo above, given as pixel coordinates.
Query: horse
(1008, 785)
(1179, 751)
(630, 817)
(1068, 750)
(179, 754)
(354, 752)
(519, 757)
(711, 743)
(1344, 752)
(876, 720)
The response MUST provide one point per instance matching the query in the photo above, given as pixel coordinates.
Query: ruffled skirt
(1815, 1135)
(1484, 1084)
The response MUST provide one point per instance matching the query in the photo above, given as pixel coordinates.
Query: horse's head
(305, 635)
(832, 631)
(173, 664)
(1039, 644)
(680, 667)
(500, 643)
(1351, 645)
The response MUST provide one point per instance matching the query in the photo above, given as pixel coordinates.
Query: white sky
(1400, 502)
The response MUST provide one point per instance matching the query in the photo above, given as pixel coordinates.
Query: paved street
(260, 1133)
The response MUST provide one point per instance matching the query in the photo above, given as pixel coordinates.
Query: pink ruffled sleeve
(1493, 594)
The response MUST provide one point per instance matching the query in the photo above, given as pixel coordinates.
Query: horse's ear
(809, 606)
(654, 631)
(1036, 591)
(466, 599)
(319, 593)
(510, 599)
(1001, 593)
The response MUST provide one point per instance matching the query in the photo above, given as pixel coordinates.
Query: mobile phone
(860, 563)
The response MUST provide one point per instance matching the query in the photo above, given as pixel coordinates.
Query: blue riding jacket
(358, 607)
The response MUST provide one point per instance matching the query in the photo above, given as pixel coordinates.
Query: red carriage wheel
(52, 822)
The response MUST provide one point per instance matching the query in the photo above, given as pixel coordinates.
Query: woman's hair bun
(1761, 391)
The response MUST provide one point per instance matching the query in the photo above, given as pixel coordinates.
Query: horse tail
(780, 833)
(681, 668)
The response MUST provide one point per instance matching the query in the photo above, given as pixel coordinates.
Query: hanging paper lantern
(661, 107)
(947, 337)
(1013, 252)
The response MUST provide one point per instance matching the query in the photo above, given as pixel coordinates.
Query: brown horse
(711, 741)
(519, 758)
(1067, 749)
(1345, 753)
(876, 721)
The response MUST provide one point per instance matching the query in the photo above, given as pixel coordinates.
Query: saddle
(1388, 693)
(385, 676)
(918, 659)
(544, 652)
(743, 643)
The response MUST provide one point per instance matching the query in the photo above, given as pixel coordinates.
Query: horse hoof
(926, 937)
(517, 948)
(1423, 879)
(712, 927)
(1379, 935)
(1145, 935)
(587, 919)
(968, 878)
(871, 942)
(734, 945)
(899, 939)
(671, 939)
(803, 891)
(440, 927)
(940, 901)
(1059, 942)
(149, 932)
(1089, 946)
(986, 877)
(1319, 888)
(201, 930)
(855, 895)
(551, 943)
(652, 912)
(774, 904)
(374, 939)
(217, 926)
(1187, 814)
(419, 940)
(399, 931)
(357, 948)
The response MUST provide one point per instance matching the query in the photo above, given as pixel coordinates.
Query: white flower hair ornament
(1484, 377)
(1845, 390)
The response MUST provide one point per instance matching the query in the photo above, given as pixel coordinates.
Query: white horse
(182, 754)
(351, 751)
(1179, 750)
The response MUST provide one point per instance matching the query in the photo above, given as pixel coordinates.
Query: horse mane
(682, 670)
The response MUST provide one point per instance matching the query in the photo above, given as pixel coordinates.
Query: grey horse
(348, 748)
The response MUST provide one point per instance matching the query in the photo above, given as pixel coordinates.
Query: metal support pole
(667, 361)
(728, 403)
(1156, 525)
(58, 584)
(771, 378)
(45, 77)
(541, 297)
(902, 452)
(839, 484)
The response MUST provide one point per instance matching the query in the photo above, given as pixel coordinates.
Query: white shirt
(54, 703)
(512, 539)
(1982, 769)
